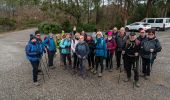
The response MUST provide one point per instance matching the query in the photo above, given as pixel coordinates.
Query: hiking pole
(120, 70)
(46, 61)
(140, 64)
(42, 70)
(135, 68)
(46, 69)
(151, 55)
(110, 60)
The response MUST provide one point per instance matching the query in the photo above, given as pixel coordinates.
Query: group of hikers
(96, 48)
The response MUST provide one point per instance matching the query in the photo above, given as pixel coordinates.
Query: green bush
(46, 28)
(31, 23)
(7, 22)
(67, 27)
(88, 27)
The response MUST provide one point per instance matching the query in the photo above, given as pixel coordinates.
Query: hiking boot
(36, 83)
(52, 67)
(84, 76)
(146, 77)
(106, 68)
(94, 72)
(126, 80)
(136, 83)
(89, 68)
(100, 75)
(39, 70)
(117, 68)
(110, 70)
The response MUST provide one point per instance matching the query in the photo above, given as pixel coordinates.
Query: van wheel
(127, 29)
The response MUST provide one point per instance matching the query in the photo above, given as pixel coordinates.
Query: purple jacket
(111, 45)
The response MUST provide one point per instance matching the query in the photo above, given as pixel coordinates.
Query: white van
(158, 23)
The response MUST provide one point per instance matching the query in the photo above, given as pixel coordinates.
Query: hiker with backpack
(121, 42)
(90, 58)
(82, 51)
(149, 49)
(65, 46)
(50, 45)
(34, 53)
(131, 53)
(100, 53)
(111, 46)
(74, 43)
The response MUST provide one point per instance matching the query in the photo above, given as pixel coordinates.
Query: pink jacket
(111, 45)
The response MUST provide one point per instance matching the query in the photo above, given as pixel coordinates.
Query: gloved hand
(123, 52)
(78, 56)
(84, 57)
(151, 50)
(136, 54)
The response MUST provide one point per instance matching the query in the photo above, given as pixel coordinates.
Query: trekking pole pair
(45, 68)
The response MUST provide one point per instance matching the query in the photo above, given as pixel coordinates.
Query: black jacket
(132, 47)
(121, 42)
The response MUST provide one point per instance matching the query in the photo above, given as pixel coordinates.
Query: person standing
(50, 45)
(82, 51)
(111, 46)
(121, 42)
(131, 53)
(91, 44)
(149, 49)
(34, 53)
(74, 43)
(100, 52)
(65, 45)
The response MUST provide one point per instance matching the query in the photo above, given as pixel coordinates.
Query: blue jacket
(34, 51)
(101, 49)
(50, 44)
(82, 49)
(65, 45)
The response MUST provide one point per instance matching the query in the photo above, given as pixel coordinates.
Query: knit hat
(109, 33)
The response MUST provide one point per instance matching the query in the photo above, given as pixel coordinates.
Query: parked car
(158, 23)
(137, 26)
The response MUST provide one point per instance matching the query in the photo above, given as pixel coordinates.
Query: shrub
(8, 22)
(88, 27)
(46, 28)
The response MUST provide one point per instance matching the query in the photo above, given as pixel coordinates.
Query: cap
(132, 33)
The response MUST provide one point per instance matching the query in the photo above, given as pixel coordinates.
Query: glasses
(37, 35)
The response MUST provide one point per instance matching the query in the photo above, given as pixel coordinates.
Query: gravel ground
(16, 77)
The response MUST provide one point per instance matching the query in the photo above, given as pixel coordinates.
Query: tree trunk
(148, 8)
